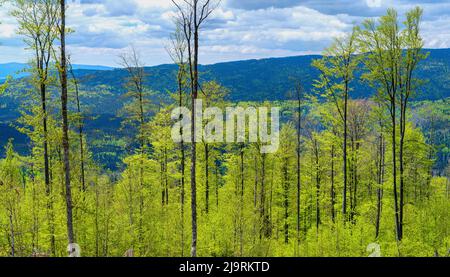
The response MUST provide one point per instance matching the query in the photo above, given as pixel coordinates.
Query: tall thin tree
(193, 14)
(65, 125)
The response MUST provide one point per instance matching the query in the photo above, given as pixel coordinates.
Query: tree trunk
(12, 236)
(80, 129)
(344, 196)
(262, 207)
(333, 193)
(401, 161)
(182, 194)
(241, 204)
(299, 144)
(194, 82)
(206, 178)
(286, 201)
(394, 168)
(316, 152)
(380, 169)
(65, 127)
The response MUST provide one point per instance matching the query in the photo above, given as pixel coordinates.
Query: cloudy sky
(239, 29)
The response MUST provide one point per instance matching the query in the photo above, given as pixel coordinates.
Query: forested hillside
(271, 79)
(95, 164)
(254, 80)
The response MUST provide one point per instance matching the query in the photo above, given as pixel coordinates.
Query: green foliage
(246, 201)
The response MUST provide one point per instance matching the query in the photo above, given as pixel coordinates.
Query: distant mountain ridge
(250, 80)
(270, 79)
(17, 70)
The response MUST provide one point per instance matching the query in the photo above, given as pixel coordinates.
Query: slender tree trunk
(70, 233)
(316, 152)
(344, 196)
(12, 233)
(45, 127)
(194, 81)
(182, 194)
(242, 173)
(166, 175)
(333, 192)
(255, 187)
(206, 178)
(80, 130)
(394, 167)
(138, 81)
(286, 201)
(299, 149)
(35, 207)
(381, 151)
(216, 171)
(47, 178)
(354, 166)
(241, 204)
(401, 161)
(96, 222)
(262, 207)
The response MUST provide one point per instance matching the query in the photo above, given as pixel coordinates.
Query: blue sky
(239, 29)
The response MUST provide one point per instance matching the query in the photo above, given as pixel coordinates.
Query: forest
(361, 169)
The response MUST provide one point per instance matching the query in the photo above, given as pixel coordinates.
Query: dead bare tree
(65, 126)
(192, 14)
(177, 51)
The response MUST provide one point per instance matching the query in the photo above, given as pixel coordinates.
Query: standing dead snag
(192, 14)
(65, 126)
(177, 51)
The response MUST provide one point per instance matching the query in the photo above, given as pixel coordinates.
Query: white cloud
(7, 30)
(239, 29)
(374, 3)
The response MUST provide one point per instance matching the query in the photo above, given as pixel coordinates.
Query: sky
(237, 30)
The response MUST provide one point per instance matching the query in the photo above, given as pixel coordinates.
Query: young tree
(11, 192)
(408, 84)
(37, 24)
(137, 110)
(379, 126)
(337, 73)
(212, 93)
(391, 59)
(357, 125)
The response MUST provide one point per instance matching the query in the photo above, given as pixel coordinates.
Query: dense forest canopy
(89, 158)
